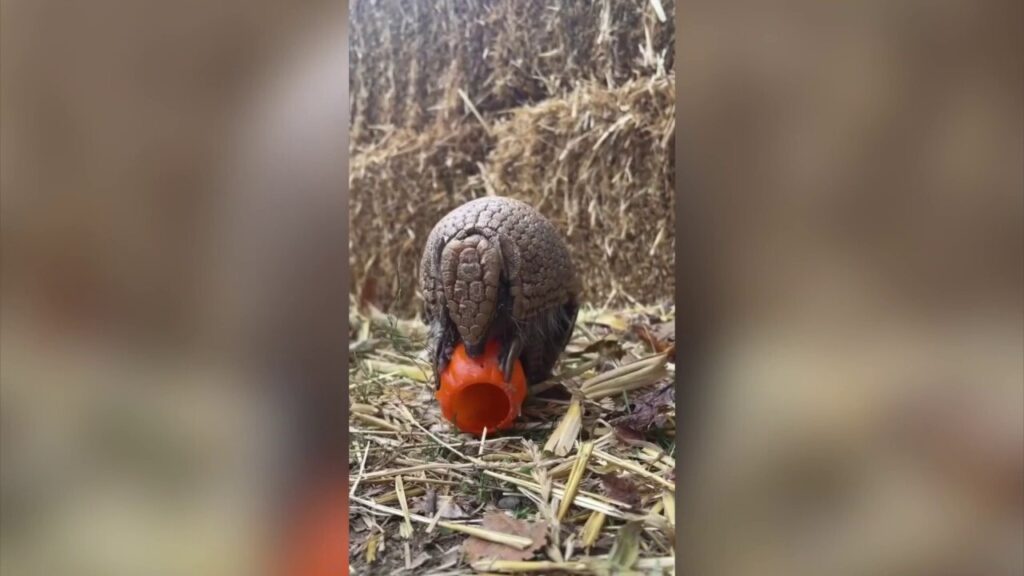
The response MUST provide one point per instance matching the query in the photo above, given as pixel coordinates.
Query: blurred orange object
(319, 544)
(474, 395)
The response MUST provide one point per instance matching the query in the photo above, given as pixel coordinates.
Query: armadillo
(495, 268)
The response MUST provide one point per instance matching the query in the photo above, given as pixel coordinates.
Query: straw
(451, 480)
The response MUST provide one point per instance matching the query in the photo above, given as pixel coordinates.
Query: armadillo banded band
(470, 269)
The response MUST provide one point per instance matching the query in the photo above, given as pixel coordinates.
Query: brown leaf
(647, 409)
(477, 549)
(660, 336)
(671, 353)
(622, 489)
(629, 436)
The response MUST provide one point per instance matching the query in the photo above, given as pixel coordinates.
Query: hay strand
(572, 486)
(518, 542)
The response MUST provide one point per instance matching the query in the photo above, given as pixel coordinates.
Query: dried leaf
(629, 436)
(477, 549)
(647, 409)
(621, 489)
(632, 437)
(659, 336)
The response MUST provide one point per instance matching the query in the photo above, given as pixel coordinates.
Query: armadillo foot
(510, 351)
(476, 349)
(444, 356)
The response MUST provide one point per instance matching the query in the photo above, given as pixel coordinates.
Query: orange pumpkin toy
(473, 394)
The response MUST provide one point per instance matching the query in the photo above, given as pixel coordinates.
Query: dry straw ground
(567, 106)
(583, 484)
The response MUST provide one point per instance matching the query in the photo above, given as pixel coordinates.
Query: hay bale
(398, 189)
(409, 60)
(598, 163)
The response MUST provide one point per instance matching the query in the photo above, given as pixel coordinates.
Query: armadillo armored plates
(501, 295)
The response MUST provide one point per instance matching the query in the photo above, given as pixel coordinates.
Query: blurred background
(163, 400)
(852, 239)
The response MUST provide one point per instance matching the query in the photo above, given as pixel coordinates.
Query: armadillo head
(470, 272)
